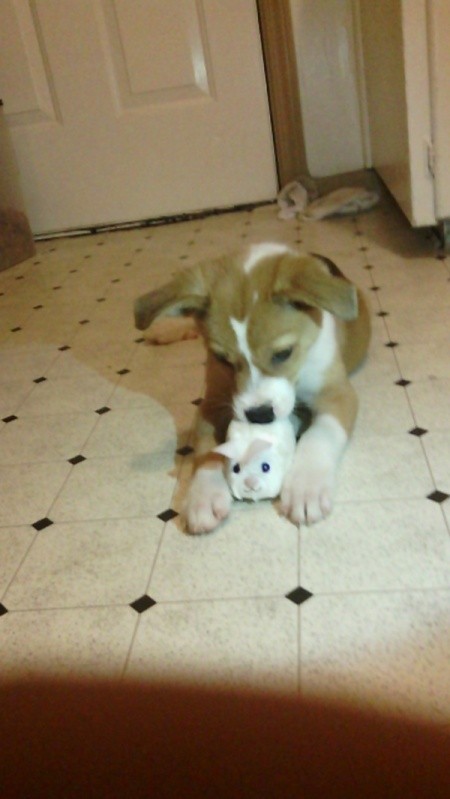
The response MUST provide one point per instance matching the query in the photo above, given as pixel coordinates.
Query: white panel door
(396, 64)
(130, 109)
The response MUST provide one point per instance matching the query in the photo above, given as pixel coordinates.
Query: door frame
(277, 38)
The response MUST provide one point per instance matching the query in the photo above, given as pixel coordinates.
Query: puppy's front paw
(307, 497)
(208, 501)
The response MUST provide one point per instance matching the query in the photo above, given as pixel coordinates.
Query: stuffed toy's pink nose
(251, 482)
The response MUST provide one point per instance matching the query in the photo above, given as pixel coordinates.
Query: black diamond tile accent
(56, 288)
(418, 431)
(185, 450)
(103, 410)
(382, 313)
(15, 329)
(139, 340)
(123, 372)
(197, 401)
(64, 348)
(40, 380)
(391, 344)
(142, 604)
(41, 524)
(375, 288)
(77, 459)
(9, 419)
(116, 280)
(37, 307)
(299, 595)
(369, 267)
(403, 382)
(438, 496)
(84, 322)
(167, 515)
(101, 299)
(3, 610)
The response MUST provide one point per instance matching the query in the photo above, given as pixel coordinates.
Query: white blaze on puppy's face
(258, 252)
(240, 331)
(260, 389)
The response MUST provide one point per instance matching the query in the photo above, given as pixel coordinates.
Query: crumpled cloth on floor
(295, 199)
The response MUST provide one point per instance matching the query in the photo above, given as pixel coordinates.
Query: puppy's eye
(219, 356)
(282, 356)
(236, 468)
(265, 467)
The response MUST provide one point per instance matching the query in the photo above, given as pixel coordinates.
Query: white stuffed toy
(258, 456)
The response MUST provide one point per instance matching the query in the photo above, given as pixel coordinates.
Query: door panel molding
(139, 75)
(30, 96)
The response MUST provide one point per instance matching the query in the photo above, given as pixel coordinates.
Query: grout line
(362, 592)
(20, 564)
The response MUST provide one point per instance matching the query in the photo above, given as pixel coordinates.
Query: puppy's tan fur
(283, 300)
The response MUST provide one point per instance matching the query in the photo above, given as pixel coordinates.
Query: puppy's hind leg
(168, 330)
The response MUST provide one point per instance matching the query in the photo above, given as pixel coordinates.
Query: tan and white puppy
(281, 329)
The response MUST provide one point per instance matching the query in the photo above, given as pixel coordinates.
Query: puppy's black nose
(262, 415)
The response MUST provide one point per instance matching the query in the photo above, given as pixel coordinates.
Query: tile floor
(96, 576)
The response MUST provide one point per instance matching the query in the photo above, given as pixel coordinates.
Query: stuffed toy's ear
(230, 449)
(234, 449)
(307, 280)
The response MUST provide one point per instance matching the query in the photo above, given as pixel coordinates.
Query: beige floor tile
(430, 401)
(81, 642)
(377, 546)
(437, 448)
(83, 391)
(245, 642)
(389, 650)
(14, 544)
(425, 360)
(29, 489)
(27, 440)
(383, 467)
(104, 562)
(108, 488)
(223, 564)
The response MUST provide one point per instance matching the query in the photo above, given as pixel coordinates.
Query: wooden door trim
(280, 61)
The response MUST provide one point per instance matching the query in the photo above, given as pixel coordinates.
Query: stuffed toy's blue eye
(236, 468)
(265, 467)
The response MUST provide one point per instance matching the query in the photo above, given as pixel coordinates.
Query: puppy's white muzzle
(270, 392)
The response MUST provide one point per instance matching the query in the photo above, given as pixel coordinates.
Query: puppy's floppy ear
(187, 293)
(305, 279)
